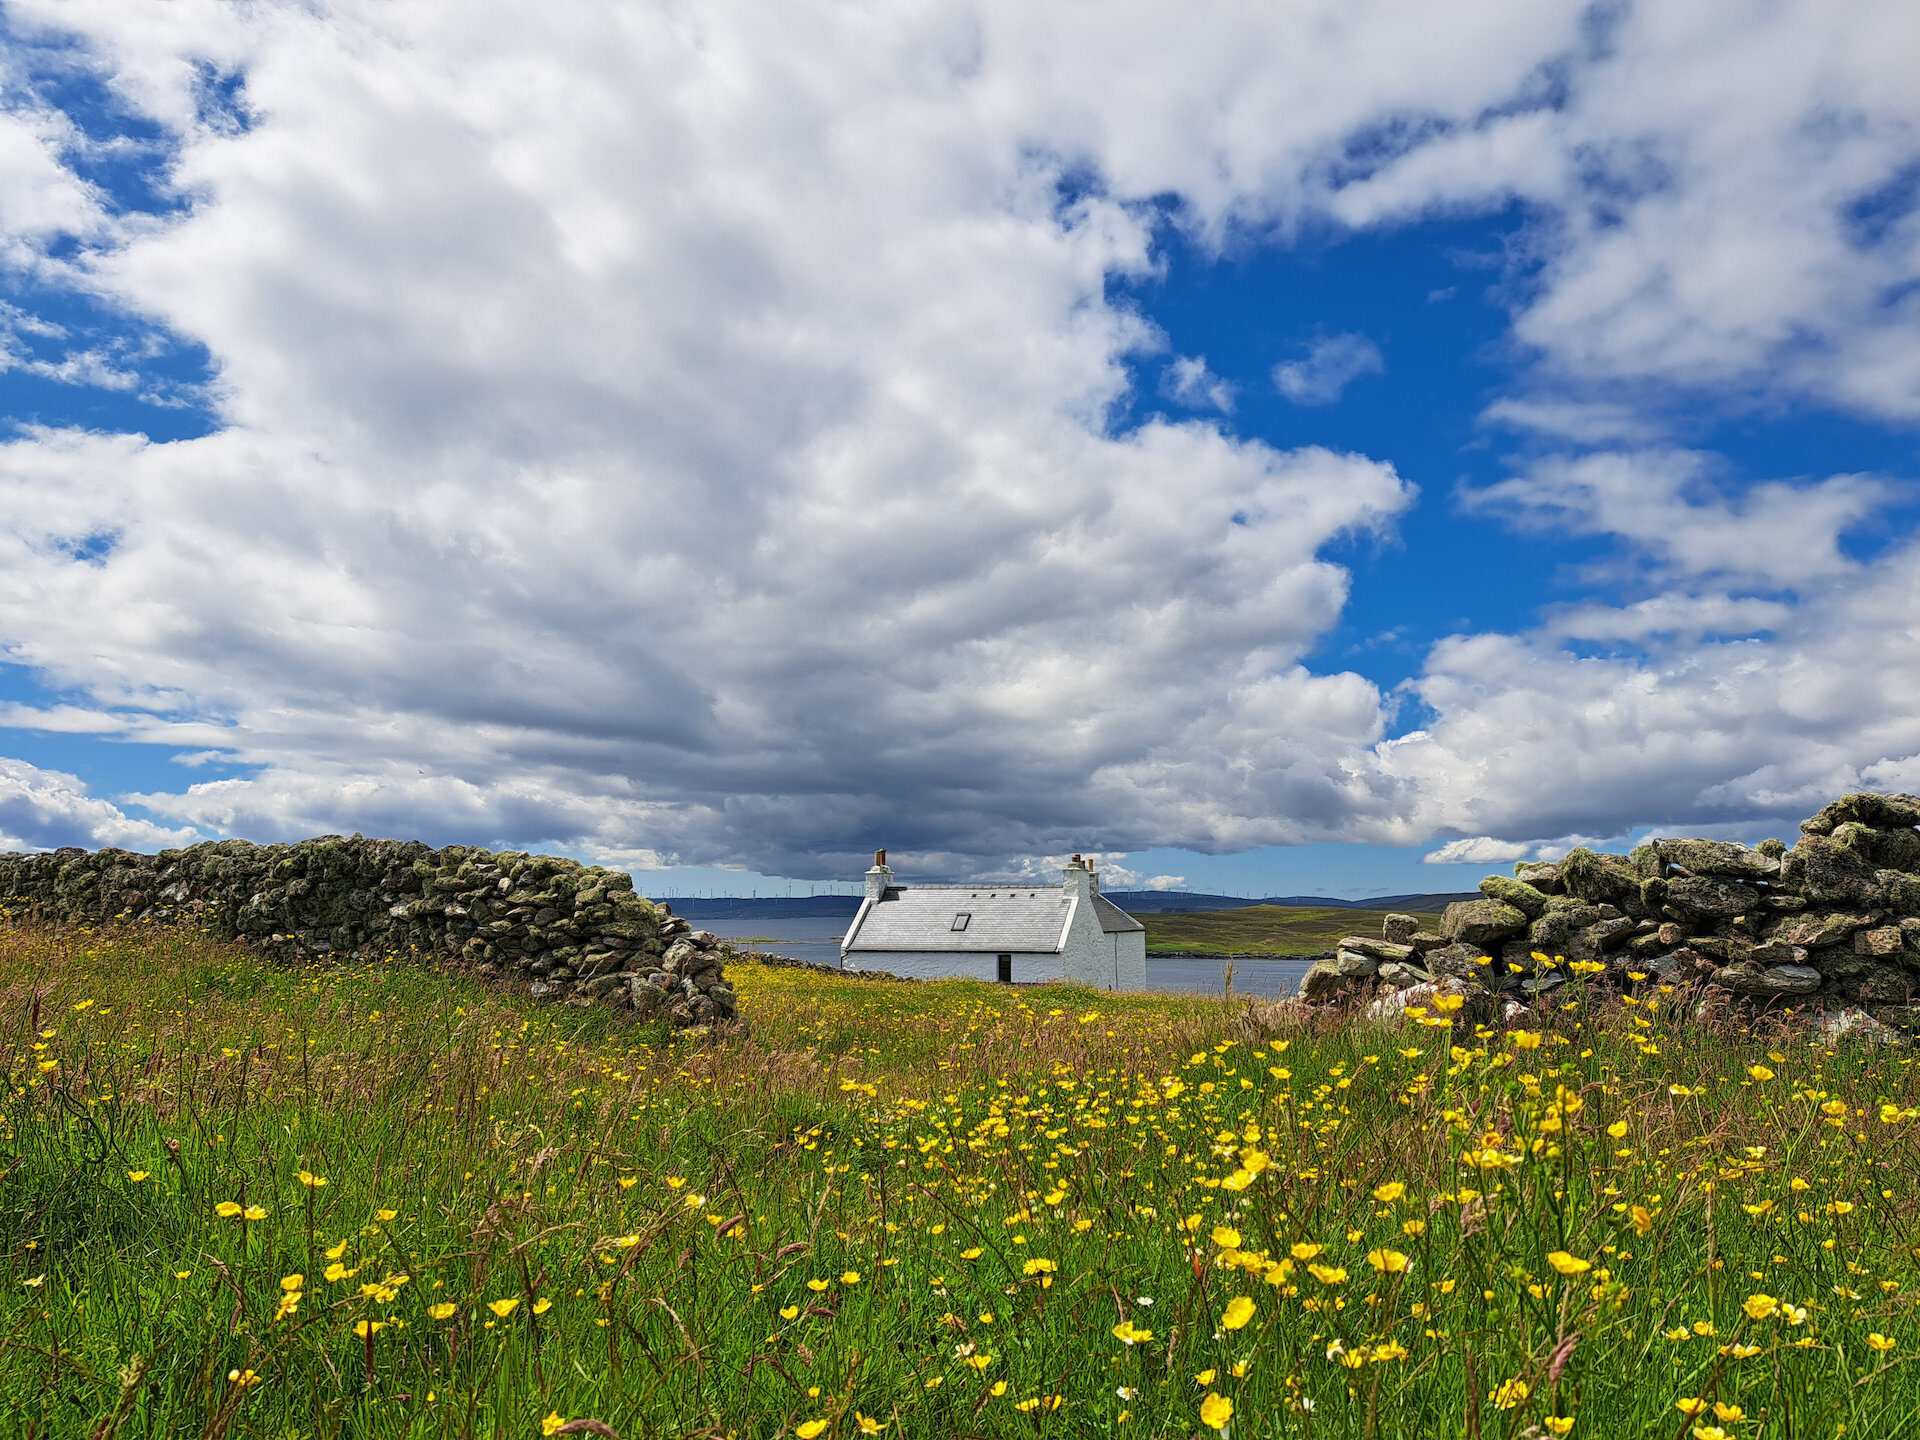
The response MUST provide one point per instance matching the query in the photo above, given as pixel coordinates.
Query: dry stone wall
(1830, 927)
(571, 933)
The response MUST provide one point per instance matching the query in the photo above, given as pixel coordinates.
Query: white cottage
(1007, 933)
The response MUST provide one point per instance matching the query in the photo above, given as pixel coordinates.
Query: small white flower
(1126, 1392)
(1143, 1299)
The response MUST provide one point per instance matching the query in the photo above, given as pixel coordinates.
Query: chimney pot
(879, 857)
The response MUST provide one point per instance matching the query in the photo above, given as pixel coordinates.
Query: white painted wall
(937, 965)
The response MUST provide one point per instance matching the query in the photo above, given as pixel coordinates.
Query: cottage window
(960, 920)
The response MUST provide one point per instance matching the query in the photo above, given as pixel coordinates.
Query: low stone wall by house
(1831, 925)
(572, 933)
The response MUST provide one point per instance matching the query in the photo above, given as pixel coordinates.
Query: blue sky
(1276, 459)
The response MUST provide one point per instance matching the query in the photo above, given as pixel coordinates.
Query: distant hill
(1186, 902)
(1136, 902)
(766, 907)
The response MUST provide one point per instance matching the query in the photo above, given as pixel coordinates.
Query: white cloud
(1188, 381)
(46, 809)
(1585, 422)
(684, 433)
(1665, 505)
(1332, 363)
(1674, 616)
(1750, 733)
(1478, 850)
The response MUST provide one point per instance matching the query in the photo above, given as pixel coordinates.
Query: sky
(1333, 448)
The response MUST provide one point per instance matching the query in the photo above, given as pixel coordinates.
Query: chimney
(1079, 879)
(878, 878)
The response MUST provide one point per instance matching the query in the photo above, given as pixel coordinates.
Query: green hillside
(1259, 929)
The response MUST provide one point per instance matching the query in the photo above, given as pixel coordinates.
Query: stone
(1897, 892)
(1646, 862)
(1394, 973)
(1689, 964)
(1599, 939)
(1883, 811)
(1521, 896)
(1718, 857)
(1881, 941)
(1709, 898)
(1645, 947)
(1903, 1017)
(1838, 962)
(1424, 940)
(1672, 932)
(1880, 985)
(1323, 981)
(1541, 875)
(1516, 958)
(1458, 959)
(1777, 952)
(1815, 931)
(1355, 967)
(1598, 879)
(1662, 966)
(1720, 947)
(1853, 1023)
(1542, 983)
(1885, 849)
(1393, 1004)
(1778, 980)
(1399, 929)
(1826, 873)
(1481, 922)
(1375, 949)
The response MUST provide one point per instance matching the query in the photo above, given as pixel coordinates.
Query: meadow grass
(243, 1199)
(1258, 929)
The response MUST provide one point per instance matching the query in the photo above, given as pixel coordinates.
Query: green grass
(926, 1205)
(1260, 929)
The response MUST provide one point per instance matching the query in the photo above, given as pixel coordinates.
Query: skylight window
(960, 920)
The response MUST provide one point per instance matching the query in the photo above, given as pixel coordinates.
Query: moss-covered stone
(351, 897)
(1517, 893)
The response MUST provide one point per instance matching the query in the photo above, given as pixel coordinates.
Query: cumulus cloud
(685, 435)
(1188, 381)
(1664, 505)
(1752, 733)
(1478, 850)
(1331, 364)
(46, 809)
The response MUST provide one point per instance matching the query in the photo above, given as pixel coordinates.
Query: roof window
(960, 920)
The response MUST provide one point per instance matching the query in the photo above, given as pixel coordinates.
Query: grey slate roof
(1114, 920)
(920, 917)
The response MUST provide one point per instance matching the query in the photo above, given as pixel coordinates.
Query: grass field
(1260, 929)
(244, 1200)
